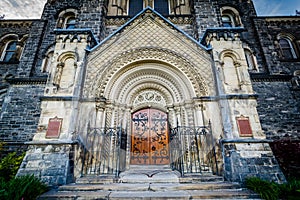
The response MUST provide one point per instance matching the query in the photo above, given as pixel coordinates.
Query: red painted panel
(54, 127)
(244, 126)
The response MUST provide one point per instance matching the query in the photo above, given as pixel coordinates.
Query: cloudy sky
(276, 7)
(18, 9)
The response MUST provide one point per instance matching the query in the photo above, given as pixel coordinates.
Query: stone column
(58, 74)
(100, 108)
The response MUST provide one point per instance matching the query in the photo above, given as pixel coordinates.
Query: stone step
(153, 195)
(143, 177)
(150, 186)
(155, 191)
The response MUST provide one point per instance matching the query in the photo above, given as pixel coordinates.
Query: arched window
(70, 23)
(227, 21)
(10, 52)
(230, 17)
(67, 19)
(47, 62)
(251, 60)
(133, 7)
(11, 47)
(287, 49)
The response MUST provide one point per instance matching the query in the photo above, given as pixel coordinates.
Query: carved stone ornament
(149, 97)
(99, 81)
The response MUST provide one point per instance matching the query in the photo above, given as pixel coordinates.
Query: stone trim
(27, 81)
(229, 96)
(16, 23)
(270, 78)
(225, 141)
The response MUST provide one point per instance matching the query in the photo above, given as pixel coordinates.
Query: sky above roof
(32, 9)
(276, 7)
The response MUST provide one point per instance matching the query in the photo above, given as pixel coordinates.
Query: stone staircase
(150, 185)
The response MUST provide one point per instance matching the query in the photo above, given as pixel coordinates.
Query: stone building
(101, 88)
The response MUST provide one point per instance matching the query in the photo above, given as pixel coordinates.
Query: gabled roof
(147, 9)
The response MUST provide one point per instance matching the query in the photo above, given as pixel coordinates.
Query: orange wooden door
(149, 138)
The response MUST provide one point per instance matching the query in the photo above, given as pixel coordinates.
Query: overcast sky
(18, 9)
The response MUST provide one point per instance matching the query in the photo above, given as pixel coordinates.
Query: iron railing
(101, 151)
(192, 150)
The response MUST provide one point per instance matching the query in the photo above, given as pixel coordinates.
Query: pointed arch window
(287, 49)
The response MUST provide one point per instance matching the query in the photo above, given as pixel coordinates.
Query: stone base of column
(51, 162)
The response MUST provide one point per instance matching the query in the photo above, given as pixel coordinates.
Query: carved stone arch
(106, 72)
(24, 38)
(143, 98)
(154, 75)
(65, 72)
(9, 37)
(287, 35)
(65, 55)
(230, 53)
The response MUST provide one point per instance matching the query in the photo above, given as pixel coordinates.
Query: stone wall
(268, 30)
(287, 152)
(243, 159)
(278, 108)
(20, 113)
(53, 163)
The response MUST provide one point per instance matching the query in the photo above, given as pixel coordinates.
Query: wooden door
(149, 138)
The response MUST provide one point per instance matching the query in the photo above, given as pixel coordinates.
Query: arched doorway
(149, 138)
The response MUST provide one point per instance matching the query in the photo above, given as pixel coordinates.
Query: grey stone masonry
(52, 162)
(278, 108)
(20, 113)
(250, 158)
(269, 29)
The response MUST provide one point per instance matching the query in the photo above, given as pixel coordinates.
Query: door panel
(149, 139)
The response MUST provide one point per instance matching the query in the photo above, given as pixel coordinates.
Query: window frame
(5, 52)
(233, 14)
(290, 48)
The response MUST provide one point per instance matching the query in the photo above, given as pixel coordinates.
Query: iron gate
(102, 151)
(193, 150)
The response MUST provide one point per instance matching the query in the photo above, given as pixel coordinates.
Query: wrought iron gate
(192, 150)
(102, 151)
